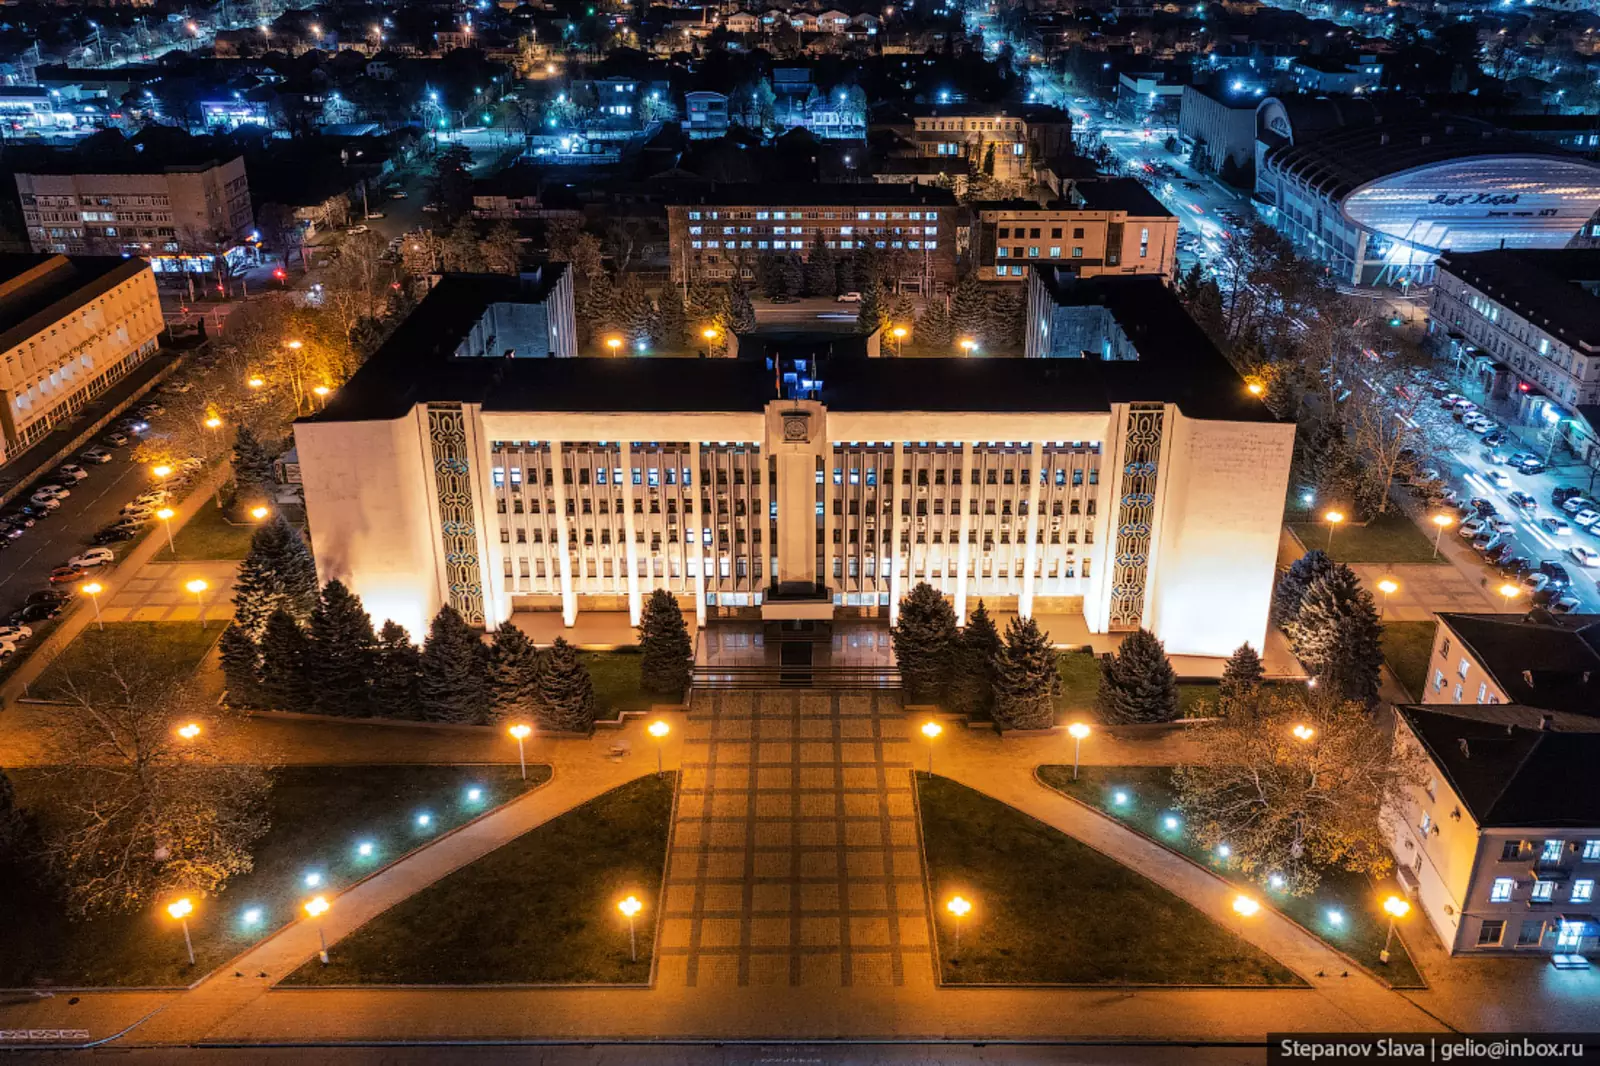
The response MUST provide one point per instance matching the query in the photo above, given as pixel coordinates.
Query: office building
(1113, 226)
(1020, 137)
(181, 217)
(1145, 490)
(70, 328)
(720, 232)
(1218, 125)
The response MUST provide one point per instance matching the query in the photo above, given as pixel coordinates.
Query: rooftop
(28, 305)
(795, 195)
(1554, 288)
(1538, 659)
(1120, 194)
(1512, 774)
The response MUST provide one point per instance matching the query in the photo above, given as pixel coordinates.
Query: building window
(1582, 891)
(1426, 823)
(1530, 934)
(1491, 932)
(1552, 851)
(1543, 891)
(1500, 892)
(1591, 851)
(1510, 850)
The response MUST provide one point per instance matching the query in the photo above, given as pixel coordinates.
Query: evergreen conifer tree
(933, 328)
(924, 642)
(252, 468)
(1337, 635)
(597, 308)
(969, 311)
(285, 681)
(972, 683)
(872, 312)
(672, 326)
(707, 305)
(1026, 678)
(241, 667)
(1292, 586)
(664, 646)
(1007, 311)
(513, 673)
(277, 572)
(633, 310)
(821, 271)
(988, 161)
(1137, 683)
(566, 692)
(741, 313)
(342, 657)
(399, 664)
(452, 679)
(1241, 680)
(791, 276)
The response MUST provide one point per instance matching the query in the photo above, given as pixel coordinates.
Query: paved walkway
(157, 593)
(1424, 590)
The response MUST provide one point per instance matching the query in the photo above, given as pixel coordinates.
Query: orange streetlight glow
(190, 731)
(519, 733)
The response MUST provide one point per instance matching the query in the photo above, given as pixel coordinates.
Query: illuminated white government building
(1121, 472)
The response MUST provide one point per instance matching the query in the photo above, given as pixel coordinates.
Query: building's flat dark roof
(54, 295)
(1217, 92)
(852, 194)
(1511, 776)
(1026, 112)
(1542, 285)
(1120, 194)
(1537, 659)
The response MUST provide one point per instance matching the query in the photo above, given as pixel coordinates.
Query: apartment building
(70, 328)
(1499, 844)
(1021, 137)
(1112, 226)
(181, 217)
(1142, 491)
(720, 232)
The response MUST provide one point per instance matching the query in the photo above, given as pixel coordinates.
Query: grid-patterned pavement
(794, 856)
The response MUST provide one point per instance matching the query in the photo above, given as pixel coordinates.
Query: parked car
(48, 503)
(1500, 524)
(94, 455)
(50, 596)
(1513, 566)
(15, 633)
(10, 531)
(62, 574)
(151, 410)
(1494, 437)
(1574, 504)
(1556, 527)
(1481, 506)
(1586, 517)
(1499, 551)
(117, 533)
(34, 613)
(1555, 572)
(1485, 541)
(357, 230)
(1523, 500)
(1584, 555)
(1499, 478)
(1563, 604)
(1471, 528)
(178, 387)
(1562, 494)
(90, 558)
(851, 297)
(71, 472)
(1495, 455)
(1449, 497)
(52, 490)
(115, 440)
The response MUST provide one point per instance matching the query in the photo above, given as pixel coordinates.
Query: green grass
(178, 648)
(539, 910)
(1051, 910)
(207, 535)
(1390, 538)
(1150, 798)
(318, 816)
(616, 681)
(1407, 647)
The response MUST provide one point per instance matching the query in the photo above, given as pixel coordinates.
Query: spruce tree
(791, 276)
(566, 692)
(1337, 635)
(924, 641)
(872, 313)
(672, 326)
(1008, 309)
(707, 305)
(597, 308)
(821, 271)
(277, 572)
(513, 674)
(1137, 683)
(972, 683)
(969, 311)
(252, 468)
(285, 681)
(1241, 681)
(741, 313)
(1292, 585)
(1026, 679)
(399, 663)
(665, 649)
(343, 653)
(452, 679)
(933, 328)
(633, 310)
(241, 667)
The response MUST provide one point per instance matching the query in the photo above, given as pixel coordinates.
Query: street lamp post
(1387, 586)
(180, 910)
(615, 344)
(659, 730)
(631, 908)
(316, 907)
(198, 587)
(1509, 592)
(931, 730)
(1245, 907)
(959, 907)
(1077, 731)
(93, 589)
(213, 423)
(968, 345)
(1396, 908)
(520, 732)
(165, 514)
(1333, 519)
(321, 393)
(899, 335)
(1443, 522)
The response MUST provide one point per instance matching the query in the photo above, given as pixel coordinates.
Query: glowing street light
(959, 907)
(931, 730)
(1077, 731)
(189, 731)
(659, 730)
(321, 393)
(521, 732)
(256, 382)
(710, 334)
(968, 345)
(1443, 522)
(162, 471)
(198, 586)
(1333, 518)
(899, 335)
(213, 422)
(1388, 586)
(1509, 592)
(316, 907)
(1303, 732)
(614, 343)
(259, 512)
(1396, 908)
(1255, 388)
(631, 907)
(165, 514)
(294, 346)
(93, 589)
(179, 910)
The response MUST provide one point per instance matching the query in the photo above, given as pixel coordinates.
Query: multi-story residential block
(1021, 137)
(1320, 74)
(1142, 491)
(1541, 660)
(1108, 227)
(1525, 324)
(179, 217)
(706, 114)
(1500, 842)
(721, 232)
(69, 330)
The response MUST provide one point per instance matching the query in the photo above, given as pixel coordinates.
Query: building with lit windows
(721, 232)
(1113, 226)
(1141, 490)
(1021, 137)
(69, 330)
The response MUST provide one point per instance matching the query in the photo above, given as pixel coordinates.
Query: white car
(1586, 518)
(141, 511)
(176, 386)
(15, 633)
(92, 557)
(1556, 527)
(1499, 478)
(354, 230)
(95, 455)
(49, 500)
(1583, 555)
(53, 490)
(847, 298)
(72, 472)
(1565, 604)
(399, 194)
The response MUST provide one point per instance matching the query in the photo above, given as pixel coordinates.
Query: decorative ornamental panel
(458, 531)
(1136, 509)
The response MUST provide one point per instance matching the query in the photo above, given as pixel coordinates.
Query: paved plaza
(157, 592)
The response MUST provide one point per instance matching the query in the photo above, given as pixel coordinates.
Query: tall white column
(1030, 555)
(963, 551)
(896, 524)
(632, 549)
(699, 548)
(569, 601)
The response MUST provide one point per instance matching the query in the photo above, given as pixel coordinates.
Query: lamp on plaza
(213, 422)
(630, 908)
(1333, 518)
(162, 471)
(321, 393)
(316, 907)
(179, 910)
(959, 907)
(899, 335)
(93, 589)
(1388, 586)
(1509, 592)
(1395, 908)
(294, 346)
(1255, 388)
(189, 730)
(1303, 732)
(659, 730)
(256, 382)
(931, 730)
(614, 343)
(198, 586)
(165, 514)
(1442, 522)
(521, 732)
(967, 345)
(1245, 907)
(1077, 731)
(259, 512)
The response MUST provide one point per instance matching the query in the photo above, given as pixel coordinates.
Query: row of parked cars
(1546, 580)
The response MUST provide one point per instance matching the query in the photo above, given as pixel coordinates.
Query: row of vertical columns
(632, 547)
(569, 601)
(897, 559)
(699, 548)
(964, 550)
(1030, 555)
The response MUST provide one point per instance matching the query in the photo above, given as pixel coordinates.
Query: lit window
(1552, 851)
(1543, 891)
(1501, 890)
(1426, 823)
(1582, 891)
(1591, 851)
